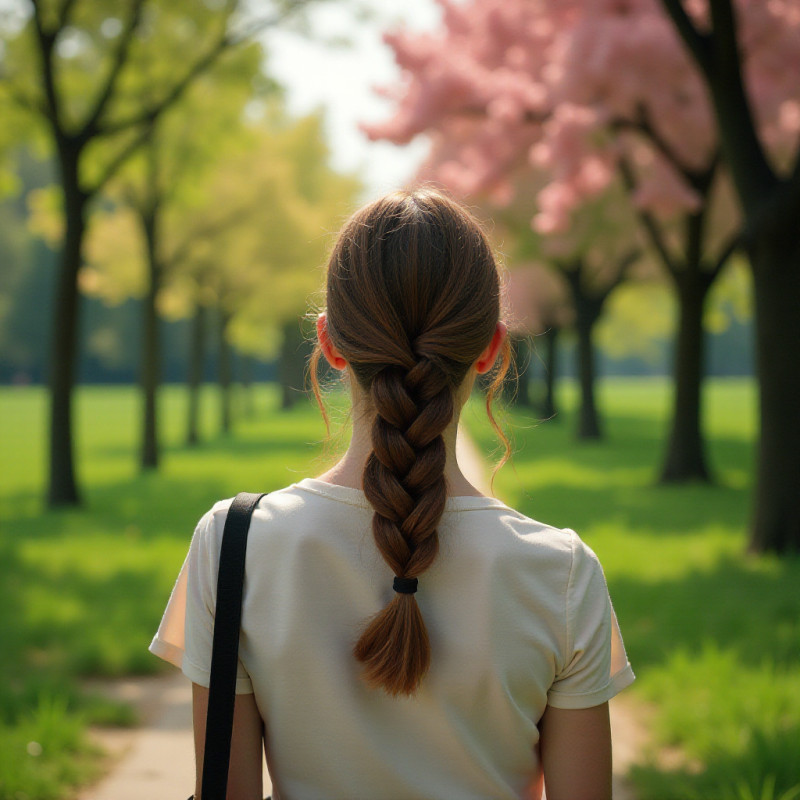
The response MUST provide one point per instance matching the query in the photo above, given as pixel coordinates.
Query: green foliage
(88, 39)
(247, 229)
(639, 317)
(44, 751)
(731, 297)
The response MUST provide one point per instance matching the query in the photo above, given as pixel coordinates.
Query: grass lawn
(714, 636)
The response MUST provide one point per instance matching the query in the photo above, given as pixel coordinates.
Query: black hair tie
(405, 585)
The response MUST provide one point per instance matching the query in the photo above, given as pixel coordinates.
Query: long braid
(413, 300)
(404, 481)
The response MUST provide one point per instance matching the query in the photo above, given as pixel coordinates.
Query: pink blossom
(565, 88)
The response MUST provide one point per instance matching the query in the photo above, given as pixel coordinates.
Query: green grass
(713, 635)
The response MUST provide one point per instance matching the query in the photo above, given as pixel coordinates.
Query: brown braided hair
(413, 299)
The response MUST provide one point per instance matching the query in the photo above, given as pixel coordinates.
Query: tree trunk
(776, 274)
(249, 406)
(685, 459)
(62, 485)
(515, 386)
(151, 344)
(225, 372)
(195, 376)
(771, 208)
(291, 367)
(588, 307)
(549, 410)
(588, 420)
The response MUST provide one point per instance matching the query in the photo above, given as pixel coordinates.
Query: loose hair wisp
(413, 299)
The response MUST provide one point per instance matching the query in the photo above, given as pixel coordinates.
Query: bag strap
(225, 649)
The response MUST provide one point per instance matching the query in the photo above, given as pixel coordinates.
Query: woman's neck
(348, 471)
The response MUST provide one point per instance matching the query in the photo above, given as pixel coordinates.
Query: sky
(341, 80)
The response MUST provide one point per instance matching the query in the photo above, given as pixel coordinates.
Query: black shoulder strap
(225, 651)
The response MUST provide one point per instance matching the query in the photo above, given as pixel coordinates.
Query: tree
(159, 184)
(300, 201)
(76, 69)
(567, 87)
(537, 306)
(592, 259)
(748, 60)
(240, 238)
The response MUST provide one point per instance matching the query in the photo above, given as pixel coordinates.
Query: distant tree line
(174, 176)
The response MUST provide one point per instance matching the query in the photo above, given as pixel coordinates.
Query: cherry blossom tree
(747, 56)
(584, 93)
(589, 264)
(537, 307)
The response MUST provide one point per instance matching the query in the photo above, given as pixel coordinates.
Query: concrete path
(156, 760)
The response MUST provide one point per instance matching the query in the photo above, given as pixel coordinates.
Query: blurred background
(172, 175)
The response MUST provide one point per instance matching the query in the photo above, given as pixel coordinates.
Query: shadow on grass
(559, 480)
(93, 581)
(630, 441)
(229, 445)
(744, 607)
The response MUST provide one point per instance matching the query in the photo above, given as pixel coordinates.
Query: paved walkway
(156, 760)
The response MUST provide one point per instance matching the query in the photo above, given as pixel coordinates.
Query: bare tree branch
(625, 263)
(727, 250)
(26, 101)
(224, 42)
(64, 13)
(649, 222)
(793, 184)
(643, 126)
(621, 275)
(257, 26)
(699, 44)
(118, 160)
(721, 64)
(118, 62)
(46, 40)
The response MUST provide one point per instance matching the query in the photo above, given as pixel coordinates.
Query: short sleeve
(595, 666)
(186, 633)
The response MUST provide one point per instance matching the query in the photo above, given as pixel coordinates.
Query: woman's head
(412, 278)
(413, 302)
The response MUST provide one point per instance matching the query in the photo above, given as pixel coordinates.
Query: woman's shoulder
(489, 522)
(497, 527)
(303, 498)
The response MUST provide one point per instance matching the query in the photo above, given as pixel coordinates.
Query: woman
(404, 636)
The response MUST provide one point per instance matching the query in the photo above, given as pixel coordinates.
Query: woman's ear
(332, 355)
(487, 358)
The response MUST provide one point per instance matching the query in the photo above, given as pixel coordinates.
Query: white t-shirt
(518, 616)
